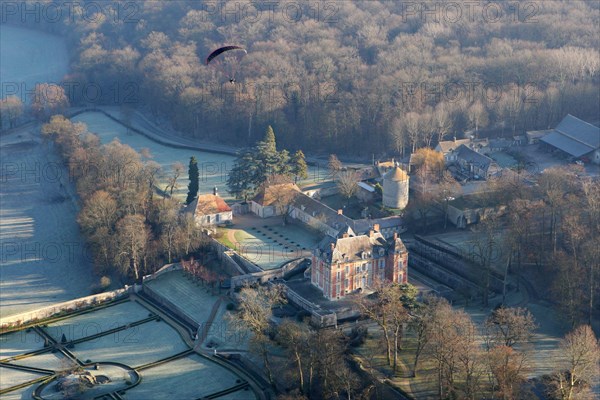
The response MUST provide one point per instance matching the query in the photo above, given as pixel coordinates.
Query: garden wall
(67, 306)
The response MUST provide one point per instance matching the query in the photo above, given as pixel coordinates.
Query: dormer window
(381, 252)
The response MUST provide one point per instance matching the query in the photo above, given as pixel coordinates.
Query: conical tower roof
(396, 174)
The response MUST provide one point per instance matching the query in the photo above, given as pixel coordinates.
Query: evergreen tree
(298, 166)
(240, 181)
(253, 167)
(193, 186)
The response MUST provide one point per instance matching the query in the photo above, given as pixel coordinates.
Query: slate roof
(366, 186)
(449, 145)
(574, 136)
(352, 248)
(473, 157)
(315, 208)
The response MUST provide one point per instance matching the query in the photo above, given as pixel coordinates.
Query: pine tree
(299, 168)
(194, 175)
(240, 180)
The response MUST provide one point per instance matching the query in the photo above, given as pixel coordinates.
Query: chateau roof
(352, 248)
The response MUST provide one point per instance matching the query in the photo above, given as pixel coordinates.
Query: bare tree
(478, 116)
(451, 344)
(509, 326)
(177, 168)
(11, 108)
(579, 364)
(334, 165)
(296, 339)
(508, 368)
(347, 184)
(132, 239)
(255, 312)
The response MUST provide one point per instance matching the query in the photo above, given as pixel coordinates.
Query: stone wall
(67, 306)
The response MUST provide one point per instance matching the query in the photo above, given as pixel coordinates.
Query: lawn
(15, 343)
(135, 346)
(213, 167)
(44, 257)
(29, 57)
(97, 321)
(12, 377)
(270, 244)
(193, 300)
(173, 380)
(53, 361)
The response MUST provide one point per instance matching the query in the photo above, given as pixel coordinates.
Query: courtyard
(267, 242)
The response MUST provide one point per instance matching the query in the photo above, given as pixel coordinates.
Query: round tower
(395, 188)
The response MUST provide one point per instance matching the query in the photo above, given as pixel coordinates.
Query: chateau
(351, 263)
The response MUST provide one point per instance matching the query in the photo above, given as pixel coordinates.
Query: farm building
(576, 139)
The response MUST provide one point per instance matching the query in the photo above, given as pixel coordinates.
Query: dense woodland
(356, 77)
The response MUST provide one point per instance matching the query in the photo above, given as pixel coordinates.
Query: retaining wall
(70, 306)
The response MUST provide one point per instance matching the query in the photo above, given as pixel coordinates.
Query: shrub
(301, 315)
(358, 334)
(105, 282)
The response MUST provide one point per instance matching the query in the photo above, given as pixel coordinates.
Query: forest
(381, 77)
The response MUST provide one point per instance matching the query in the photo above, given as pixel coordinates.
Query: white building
(210, 209)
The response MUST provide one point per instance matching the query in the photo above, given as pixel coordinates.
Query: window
(357, 270)
(339, 276)
(346, 270)
(346, 283)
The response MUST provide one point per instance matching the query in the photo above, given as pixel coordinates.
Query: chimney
(395, 236)
(340, 212)
(332, 247)
(376, 227)
(371, 233)
(215, 191)
(454, 139)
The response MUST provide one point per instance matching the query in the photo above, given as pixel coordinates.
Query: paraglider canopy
(226, 60)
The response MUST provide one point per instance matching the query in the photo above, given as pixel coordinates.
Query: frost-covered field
(189, 377)
(135, 346)
(13, 344)
(97, 321)
(186, 378)
(43, 256)
(29, 57)
(11, 377)
(193, 300)
(213, 167)
(41, 252)
(52, 361)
